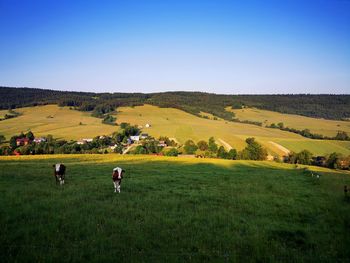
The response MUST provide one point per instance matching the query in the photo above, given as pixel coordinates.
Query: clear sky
(216, 46)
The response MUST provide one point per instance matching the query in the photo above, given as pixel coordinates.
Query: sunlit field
(64, 123)
(61, 122)
(319, 126)
(171, 210)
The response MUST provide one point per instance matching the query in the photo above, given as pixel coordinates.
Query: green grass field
(319, 126)
(171, 210)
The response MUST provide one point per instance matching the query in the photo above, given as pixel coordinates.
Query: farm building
(39, 140)
(135, 138)
(162, 144)
(147, 125)
(84, 141)
(144, 136)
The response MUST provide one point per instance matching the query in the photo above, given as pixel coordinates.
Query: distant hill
(334, 107)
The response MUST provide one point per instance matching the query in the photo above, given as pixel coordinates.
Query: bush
(190, 147)
(172, 152)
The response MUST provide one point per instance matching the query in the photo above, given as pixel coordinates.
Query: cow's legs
(116, 186)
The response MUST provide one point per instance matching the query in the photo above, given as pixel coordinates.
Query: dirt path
(280, 147)
(128, 149)
(225, 144)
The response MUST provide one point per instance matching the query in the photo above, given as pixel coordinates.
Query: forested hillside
(320, 106)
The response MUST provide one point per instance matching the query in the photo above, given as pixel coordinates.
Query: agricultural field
(319, 126)
(182, 126)
(171, 210)
(61, 122)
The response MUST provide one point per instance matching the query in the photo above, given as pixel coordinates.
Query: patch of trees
(318, 106)
(253, 150)
(10, 114)
(333, 160)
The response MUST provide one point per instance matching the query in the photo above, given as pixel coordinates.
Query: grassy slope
(320, 126)
(183, 126)
(64, 124)
(165, 121)
(170, 209)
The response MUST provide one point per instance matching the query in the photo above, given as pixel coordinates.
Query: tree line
(335, 107)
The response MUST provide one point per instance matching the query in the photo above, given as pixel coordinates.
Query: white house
(135, 138)
(39, 140)
(147, 125)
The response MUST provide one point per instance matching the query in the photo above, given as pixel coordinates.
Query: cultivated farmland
(319, 126)
(61, 122)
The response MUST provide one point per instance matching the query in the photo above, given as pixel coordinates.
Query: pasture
(171, 210)
(61, 122)
(64, 123)
(319, 126)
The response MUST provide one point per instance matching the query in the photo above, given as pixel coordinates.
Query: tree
(190, 147)
(2, 138)
(212, 146)
(29, 135)
(333, 161)
(140, 150)
(232, 154)
(202, 145)
(342, 136)
(280, 125)
(253, 151)
(222, 153)
(172, 152)
(304, 157)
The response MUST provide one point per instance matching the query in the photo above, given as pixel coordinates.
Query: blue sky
(231, 47)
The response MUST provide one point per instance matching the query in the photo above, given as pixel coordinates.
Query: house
(144, 136)
(162, 144)
(135, 138)
(22, 141)
(84, 141)
(147, 125)
(39, 140)
(112, 147)
(129, 141)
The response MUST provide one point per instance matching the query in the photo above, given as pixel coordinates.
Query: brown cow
(117, 177)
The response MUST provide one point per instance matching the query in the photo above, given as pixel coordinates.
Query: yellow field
(61, 122)
(319, 126)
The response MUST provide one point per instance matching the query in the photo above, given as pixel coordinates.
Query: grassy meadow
(319, 126)
(171, 210)
(61, 122)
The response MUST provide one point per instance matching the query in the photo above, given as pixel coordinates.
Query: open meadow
(61, 122)
(171, 210)
(319, 126)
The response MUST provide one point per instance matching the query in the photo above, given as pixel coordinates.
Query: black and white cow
(59, 172)
(117, 177)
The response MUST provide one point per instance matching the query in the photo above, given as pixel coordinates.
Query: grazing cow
(117, 177)
(59, 172)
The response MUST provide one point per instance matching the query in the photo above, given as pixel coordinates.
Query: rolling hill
(63, 122)
(319, 126)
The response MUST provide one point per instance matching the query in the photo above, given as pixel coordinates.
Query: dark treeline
(318, 106)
